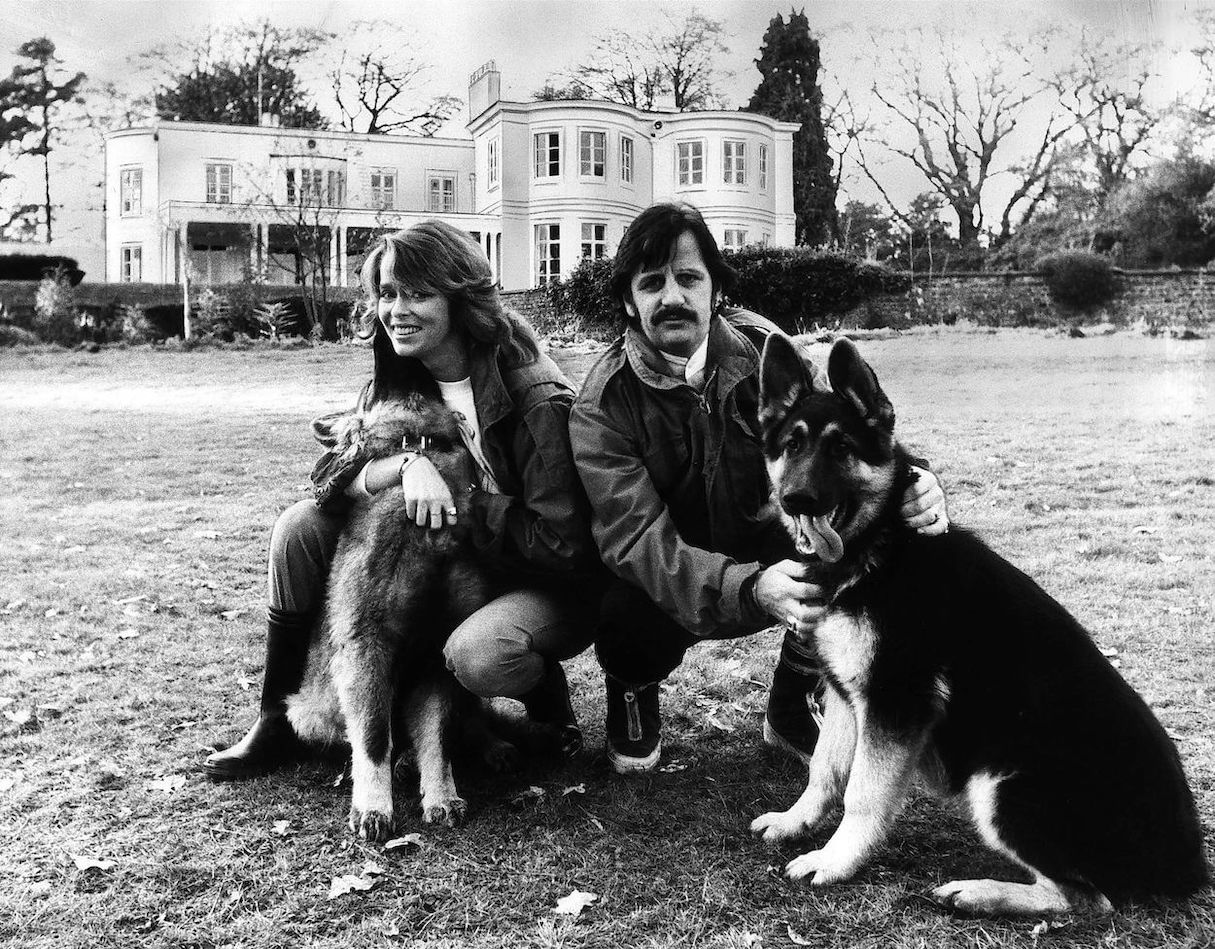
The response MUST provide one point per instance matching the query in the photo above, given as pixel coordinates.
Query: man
(666, 441)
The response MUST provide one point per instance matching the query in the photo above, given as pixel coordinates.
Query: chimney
(484, 89)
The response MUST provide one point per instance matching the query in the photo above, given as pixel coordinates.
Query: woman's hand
(428, 500)
(924, 505)
(784, 594)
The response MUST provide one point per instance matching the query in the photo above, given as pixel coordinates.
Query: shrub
(209, 315)
(56, 319)
(798, 288)
(133, 323)
(1078, 279)
(272, 318)
(586, 294)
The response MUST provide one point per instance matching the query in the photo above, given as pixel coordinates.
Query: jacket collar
(731, 358)
(490, 394)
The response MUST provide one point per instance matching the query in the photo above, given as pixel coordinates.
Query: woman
(438, 327)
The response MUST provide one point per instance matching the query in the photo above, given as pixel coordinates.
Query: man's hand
(428, 500)
(783, 592)
(924, 505)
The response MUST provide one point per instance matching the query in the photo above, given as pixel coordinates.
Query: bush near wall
(103, 306)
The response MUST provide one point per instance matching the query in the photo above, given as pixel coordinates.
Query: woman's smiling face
(418, 322)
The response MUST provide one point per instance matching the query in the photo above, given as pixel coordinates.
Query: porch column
(341, 238)
(334, 233)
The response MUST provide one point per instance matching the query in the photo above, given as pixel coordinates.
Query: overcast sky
(531, 39)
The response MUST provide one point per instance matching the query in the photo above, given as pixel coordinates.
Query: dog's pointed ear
(852, 378)
(784, 377)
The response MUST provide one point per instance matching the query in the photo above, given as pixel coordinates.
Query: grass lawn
(138, 492)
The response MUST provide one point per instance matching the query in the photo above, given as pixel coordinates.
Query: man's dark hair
(650, 241)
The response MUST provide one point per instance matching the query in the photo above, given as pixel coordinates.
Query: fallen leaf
(169, 783)
(574, 903)
(131, 610)
(128, 633)
(1171, 558)
(574, 789)
(90, 863)
(403, 843)
(598, 824)
(1108, 651)
(796, 938)
(337, 782)
(131, 599)
(532, 793)
(1144, 529)
(281, 827)
(717, 723)
(40, 888)
(348, 884)
(53, 611)
(14, 605)
(245, 682)
(231, 614)
(673, 767)
(372, 869)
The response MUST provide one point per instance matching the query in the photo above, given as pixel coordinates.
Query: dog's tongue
(827, 543)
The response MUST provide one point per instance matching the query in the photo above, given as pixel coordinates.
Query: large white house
(540, 185)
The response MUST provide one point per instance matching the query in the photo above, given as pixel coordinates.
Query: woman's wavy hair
(436, 257)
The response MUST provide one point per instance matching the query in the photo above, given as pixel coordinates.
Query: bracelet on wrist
(409, 458)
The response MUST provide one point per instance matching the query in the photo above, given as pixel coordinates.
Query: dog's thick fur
(396, 591)
(942, 659)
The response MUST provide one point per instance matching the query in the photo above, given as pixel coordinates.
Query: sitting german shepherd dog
(943, 659)
(375, 671)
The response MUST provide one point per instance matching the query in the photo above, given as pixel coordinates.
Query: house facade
(539, 185)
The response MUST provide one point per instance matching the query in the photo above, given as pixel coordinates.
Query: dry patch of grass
(139, 488)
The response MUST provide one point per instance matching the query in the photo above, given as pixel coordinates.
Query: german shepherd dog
(375, 672)
(942, 659)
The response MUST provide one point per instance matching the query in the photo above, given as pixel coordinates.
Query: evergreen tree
(39, 89)
(789, 91)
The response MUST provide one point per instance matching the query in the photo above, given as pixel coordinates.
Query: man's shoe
(269, 745)
(794, 715)
(634, 726)
(549, 704)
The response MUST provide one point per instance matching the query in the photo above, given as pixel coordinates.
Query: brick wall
(1157, 297)
(534, 305)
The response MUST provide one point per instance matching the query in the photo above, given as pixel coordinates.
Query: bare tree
(638, 68)
(952, 114)
(1106, 89)
(378, 83)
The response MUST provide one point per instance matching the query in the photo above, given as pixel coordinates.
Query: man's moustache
(673, 313)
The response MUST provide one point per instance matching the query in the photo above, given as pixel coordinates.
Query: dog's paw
(371, 825)
(824, 867)
(450, 812)
(776, 826)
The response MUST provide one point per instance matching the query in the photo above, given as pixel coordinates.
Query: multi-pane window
(734, 162)
(763, 167)
(626, 159)
(594, 241)
(548, 154)
(735, 238)
(383, 188)
(315, 186)
(131, 191)
(592, 154)
(441, 193)
(548, 253)
(131, 260)
(219, 183)
(691, 158)
(493, 162)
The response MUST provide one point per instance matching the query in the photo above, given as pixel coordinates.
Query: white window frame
(446, 196)
(130, 263)
(626, 159)
(383, 195)
(763, 167)
(694, 174)
(219, 190)
(130, 191)
(734, 238)
(547, 238)
(592, 154)
(545, 140)
(594, 240)
(734, 162)
(492, 159)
